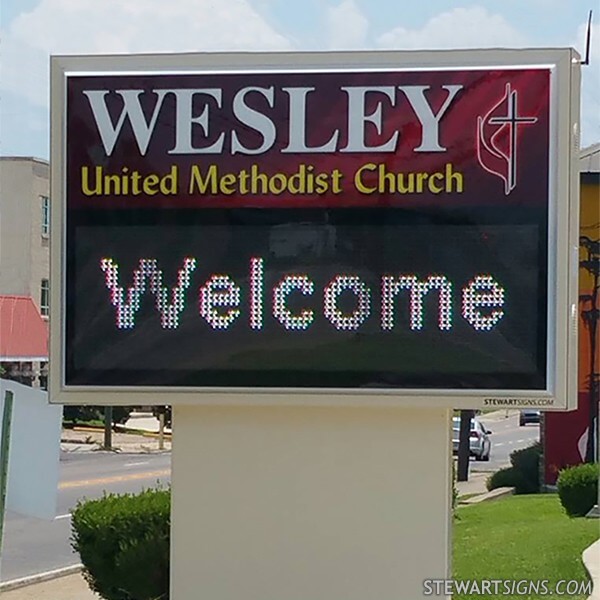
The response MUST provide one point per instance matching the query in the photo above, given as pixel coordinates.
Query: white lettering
(132, 108)
(148, 269)
(483, 291)
(357, 119)
(254, 119)
(280, 293)
(332, 291)
(429, 122)
(392, 285)
(219, 291)
(184, 121)
(297, 119)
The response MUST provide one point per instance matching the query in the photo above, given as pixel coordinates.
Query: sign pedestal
(303, 503)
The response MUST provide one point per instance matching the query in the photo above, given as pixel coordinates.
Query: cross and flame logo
(497, 140)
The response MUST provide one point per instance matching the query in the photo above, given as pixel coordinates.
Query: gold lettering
(321, 184)
(297, 181)
(85, 183)
(433, 188)
(116, 181)
(226, 182)
(202, 185)
(136, 179)
(336, 183)
(358, 182)
(257, 177)
(386, 178)
(456, 177)
(148, 184)
(402, 187)
(277, 183)
(168, 184)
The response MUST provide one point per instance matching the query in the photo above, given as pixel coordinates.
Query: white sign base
(305, 503)
(33, 458)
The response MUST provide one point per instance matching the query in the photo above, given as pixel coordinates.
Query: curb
(496, 494)
(122, 429)
(591, 562)
(15, 584)
(497, 415)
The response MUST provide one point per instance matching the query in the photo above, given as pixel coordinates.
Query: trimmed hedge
(85, 414)
(578, 488)
(124, 541)
(526, 462)
(523, 474)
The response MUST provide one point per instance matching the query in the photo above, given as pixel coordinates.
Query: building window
(45, 215)
(45, 298)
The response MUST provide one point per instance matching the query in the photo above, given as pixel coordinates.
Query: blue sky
(31, 30)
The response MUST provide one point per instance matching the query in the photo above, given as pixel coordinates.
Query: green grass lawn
(521, 537)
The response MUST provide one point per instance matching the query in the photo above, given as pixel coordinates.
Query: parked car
(529, 416)
(480, 444)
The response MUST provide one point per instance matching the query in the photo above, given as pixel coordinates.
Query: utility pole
(108, 417)
(161, 427)
(464, 450)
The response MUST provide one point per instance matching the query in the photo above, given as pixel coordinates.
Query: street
(33, 546)
(506, 437)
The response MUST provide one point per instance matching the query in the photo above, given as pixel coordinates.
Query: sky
(31, 30)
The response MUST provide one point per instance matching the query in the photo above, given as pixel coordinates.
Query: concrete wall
(24, 252)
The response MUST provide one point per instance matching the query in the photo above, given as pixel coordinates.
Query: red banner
(415, 138)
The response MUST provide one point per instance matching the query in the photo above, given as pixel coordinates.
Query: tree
(590, 314)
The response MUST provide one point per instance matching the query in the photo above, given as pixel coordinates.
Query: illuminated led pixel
(219, 291)
(220, 297)
(391, 286)
(280, 293)
(483, 291)
(256, 292)
(339, 284)
(147, 270)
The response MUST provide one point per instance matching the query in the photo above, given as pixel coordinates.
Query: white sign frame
(561, 390)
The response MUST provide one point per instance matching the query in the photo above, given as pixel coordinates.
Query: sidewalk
(70, 587)
(498, 415)
(475, 484)
(87, 439)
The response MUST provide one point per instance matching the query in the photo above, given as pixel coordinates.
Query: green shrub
(123, 542)
(94, 414)
(506, 477)
(523, 475)
(82, 414)
(578, 489)
(526, 462)
(120, 414)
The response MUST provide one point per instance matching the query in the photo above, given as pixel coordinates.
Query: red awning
(23, 331)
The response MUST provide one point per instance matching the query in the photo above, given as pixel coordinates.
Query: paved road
(33, 546)
(506, 437)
